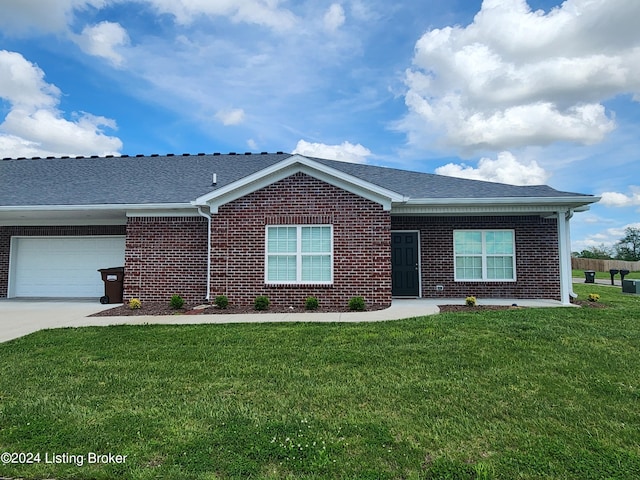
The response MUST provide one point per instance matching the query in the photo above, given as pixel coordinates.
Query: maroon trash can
(113, 279)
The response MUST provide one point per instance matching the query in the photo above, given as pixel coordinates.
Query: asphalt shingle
(182, 179)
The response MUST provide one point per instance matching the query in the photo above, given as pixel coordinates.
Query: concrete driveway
(21, 317)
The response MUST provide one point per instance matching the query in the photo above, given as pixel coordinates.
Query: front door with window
(405, 269)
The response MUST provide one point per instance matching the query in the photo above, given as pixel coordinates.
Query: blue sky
(501, 90)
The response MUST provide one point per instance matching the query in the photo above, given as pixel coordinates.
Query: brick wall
(361, 229)
(166, 256)
(537, 270)
(45, 231)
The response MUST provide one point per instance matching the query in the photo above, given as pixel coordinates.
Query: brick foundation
(537, 257)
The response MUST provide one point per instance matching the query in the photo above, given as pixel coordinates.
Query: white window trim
(298, 254)
(484, 256)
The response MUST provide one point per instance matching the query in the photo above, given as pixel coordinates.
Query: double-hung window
(299, 254)
(484, 255)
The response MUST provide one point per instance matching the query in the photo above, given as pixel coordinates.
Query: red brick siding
(75, 231)
(537, 269)
(361, 236)
(166, 256)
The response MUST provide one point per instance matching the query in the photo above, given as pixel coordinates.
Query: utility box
(631, 286)
(113, 279)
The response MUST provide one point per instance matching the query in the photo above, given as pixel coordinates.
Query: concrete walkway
(22, 317)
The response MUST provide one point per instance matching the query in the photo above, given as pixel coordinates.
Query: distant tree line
(627, 248)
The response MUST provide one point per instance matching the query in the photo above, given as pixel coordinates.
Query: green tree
(628, 247)
(602, 252)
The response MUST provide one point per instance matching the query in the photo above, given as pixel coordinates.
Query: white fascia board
(97, 207)
(504, 205)
(105, 214)
(291, 166)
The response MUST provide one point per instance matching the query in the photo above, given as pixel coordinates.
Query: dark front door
(404, 264)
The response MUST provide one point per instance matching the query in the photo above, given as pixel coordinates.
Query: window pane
(281, 240)
(468, 243)
(469, 268)
(316, 268)
(281, 268)
(316, 239)
(500, 268)
(499, 243)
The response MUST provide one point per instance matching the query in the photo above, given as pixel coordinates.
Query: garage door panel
(64, 267)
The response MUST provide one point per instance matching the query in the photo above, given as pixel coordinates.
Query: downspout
(208, 217)
(568, 218)
(564, 253)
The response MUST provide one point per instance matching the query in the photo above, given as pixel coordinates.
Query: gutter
(106, 206)
(208, 217)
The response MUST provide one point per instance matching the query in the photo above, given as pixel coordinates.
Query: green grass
(527, 394)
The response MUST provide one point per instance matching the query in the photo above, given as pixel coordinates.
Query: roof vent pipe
(214, 180)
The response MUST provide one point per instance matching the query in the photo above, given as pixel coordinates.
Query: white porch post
(564, 250)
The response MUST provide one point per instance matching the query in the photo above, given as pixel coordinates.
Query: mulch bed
(161, 308)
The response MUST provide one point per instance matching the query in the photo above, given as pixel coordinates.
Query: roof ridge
(140, 155)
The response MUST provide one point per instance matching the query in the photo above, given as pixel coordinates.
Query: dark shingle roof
(183, 178)
(122, 180)
(428, 185)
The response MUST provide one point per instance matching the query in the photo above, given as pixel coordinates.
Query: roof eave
(501, 205)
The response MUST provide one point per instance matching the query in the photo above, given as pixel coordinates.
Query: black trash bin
(590, 276)
(113, 279)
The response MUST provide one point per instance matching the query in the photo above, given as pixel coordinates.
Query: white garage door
(63, 266)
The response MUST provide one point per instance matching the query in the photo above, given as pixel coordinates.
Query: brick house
(281, 225)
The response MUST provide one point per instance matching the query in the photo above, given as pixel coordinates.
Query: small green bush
(311, 303)
(222, 301)
(470, 301)
(177, 302)
(262, 302)
(357, 304)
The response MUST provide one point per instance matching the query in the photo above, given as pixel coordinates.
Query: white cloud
(103, 40)
(260, 12)
(516, 77)
(334, 18)
(607, 237)
(19, 17)
(42, 15)
(231, 117)
(616, 199)
(34, 126)
(504, 169)
(345, 152)
(22, 83)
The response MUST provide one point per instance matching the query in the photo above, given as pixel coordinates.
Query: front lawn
(529, 393)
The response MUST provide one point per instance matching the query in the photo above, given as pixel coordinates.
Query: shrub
(262, 302)
(135, 304)
(221, 301)
(593, 297)
(177, 302)
(470, 301)
(357, 304)
(311, 303)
